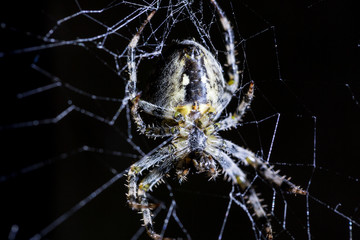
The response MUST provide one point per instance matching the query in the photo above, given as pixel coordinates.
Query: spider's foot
(298, 190)
(292, 188)
(266, 227)
(150, 231)
(269, 234)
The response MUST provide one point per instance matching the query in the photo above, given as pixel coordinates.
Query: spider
(189, 96)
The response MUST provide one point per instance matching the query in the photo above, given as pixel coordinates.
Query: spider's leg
(261, 167)
(235, 118)
(239, 177)
(165, 159)
(137, 168)
(233, 73)
(157, 111)
(131, 89)
(152, 179)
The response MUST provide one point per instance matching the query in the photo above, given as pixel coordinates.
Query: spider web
(67, 139)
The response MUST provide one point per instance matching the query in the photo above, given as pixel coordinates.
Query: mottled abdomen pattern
(190, 75)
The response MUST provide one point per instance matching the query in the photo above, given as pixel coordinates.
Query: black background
(315, 94)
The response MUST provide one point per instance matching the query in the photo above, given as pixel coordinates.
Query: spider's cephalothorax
(188, 97)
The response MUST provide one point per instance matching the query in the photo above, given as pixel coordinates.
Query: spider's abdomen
(190, 75)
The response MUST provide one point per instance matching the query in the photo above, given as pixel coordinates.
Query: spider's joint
(241, 181)
(144, 187)
(231, 81)
(250, 160)
(134, 170)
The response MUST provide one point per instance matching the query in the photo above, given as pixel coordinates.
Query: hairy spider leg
(155, 110)
(137, 194)
(233, 172)
(235, 118)
(153, 130)
(263, 169)
(154, 178)
(131, 91)
(137, 168)
(233, 73)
